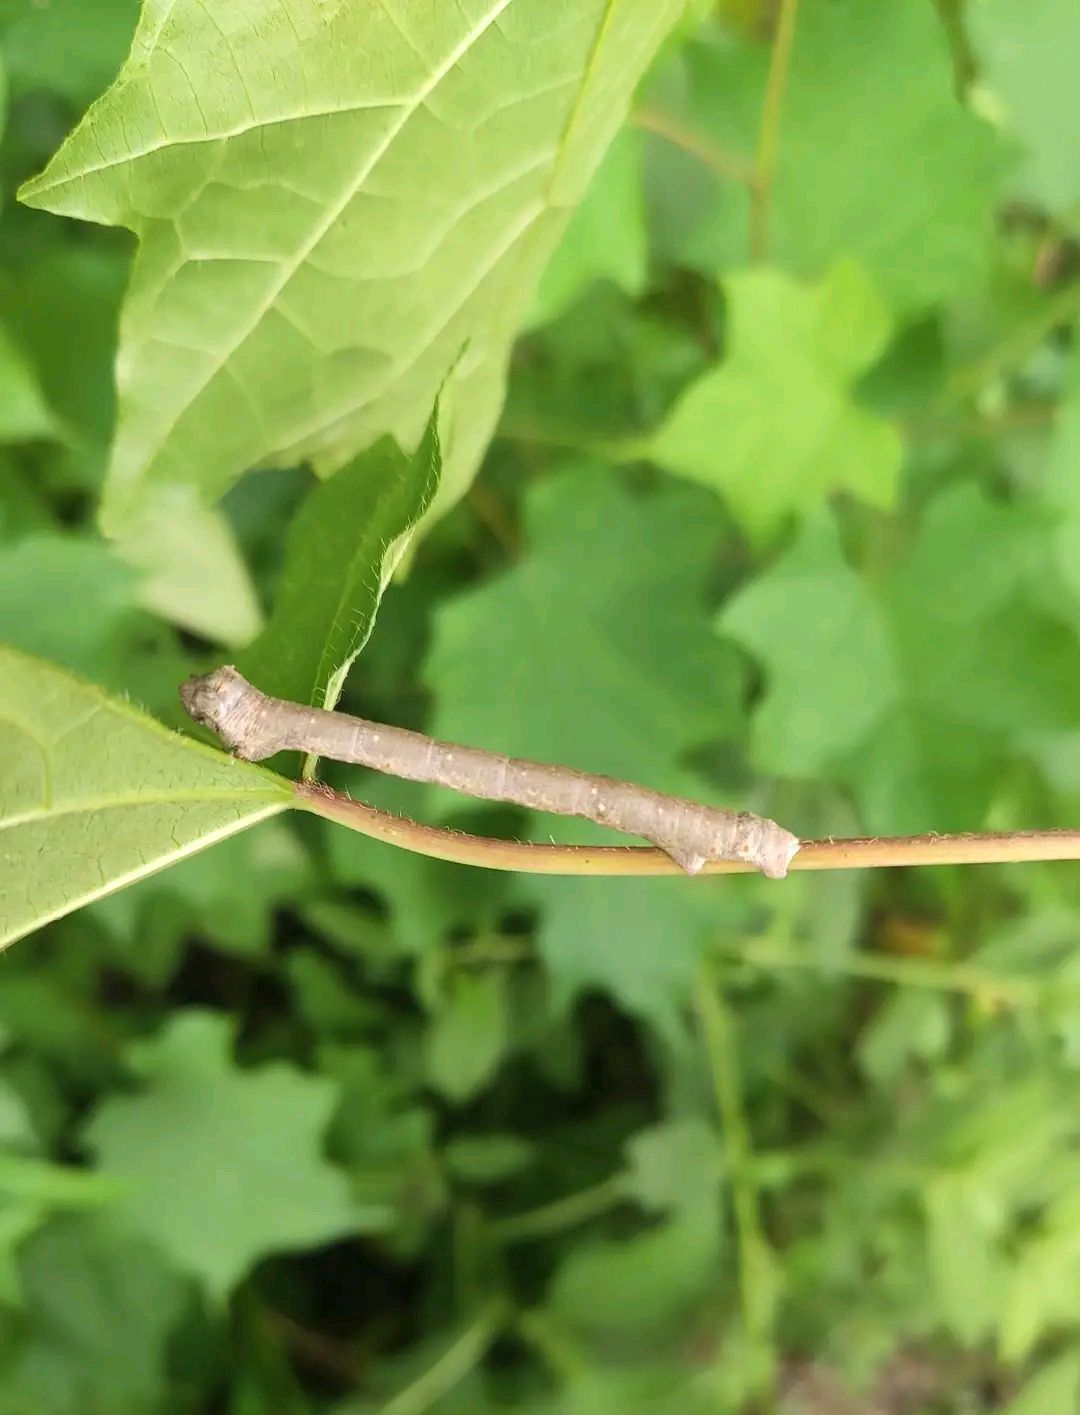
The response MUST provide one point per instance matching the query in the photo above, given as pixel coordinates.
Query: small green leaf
(469, 1034)
(223, 1165)
(342, 549)
(488, 1159)
(644, 1286)
(674, 1165)
(966, 1262)
(1044, 1290)
(327, 213)
(94, 796)
(775, 427)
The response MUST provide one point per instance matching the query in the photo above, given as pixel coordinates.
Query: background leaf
(1026, 63)
(867, 166)
(202, 1152)
(450, 1136)
(802, 349)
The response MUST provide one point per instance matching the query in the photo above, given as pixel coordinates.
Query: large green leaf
(331, 201)
(343, 546)
(93, 795)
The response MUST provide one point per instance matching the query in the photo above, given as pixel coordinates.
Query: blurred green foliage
(305, 1124)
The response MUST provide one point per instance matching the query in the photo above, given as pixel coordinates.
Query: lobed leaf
(800, 349)
(224, 1165)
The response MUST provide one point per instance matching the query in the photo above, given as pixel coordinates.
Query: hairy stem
(871, 852)
(459, 1358)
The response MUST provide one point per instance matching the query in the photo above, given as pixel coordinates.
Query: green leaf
(1044, 1291)
(94, 796)
(595, 649)
(644, 1286)
(67, 598)
(674, 1165)
(469, 1034)
(66, 46)
(967, 1266)
(796, 349)
(933, 680)
(877, 158)
(488, 1159)
(100, 1311)
(342, 549)
(72, 286)
(1027, 58)
(641, 940)
(1061, 488)
(224, 1166)
(24, 414)
(193, 573)
(605, 239)
(329, 206)
(1055, 1387)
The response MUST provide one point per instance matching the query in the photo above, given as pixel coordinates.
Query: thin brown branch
(769, 137)
(872, 852)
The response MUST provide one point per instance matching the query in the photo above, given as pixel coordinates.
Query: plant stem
(925, 973)
(1016, 343)
(718, 1034)
(761, 189)
(725, 164)
(459, 1358)
(871, 852)
(560, 1213)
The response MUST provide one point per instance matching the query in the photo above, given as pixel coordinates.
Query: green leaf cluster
(753, 481)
